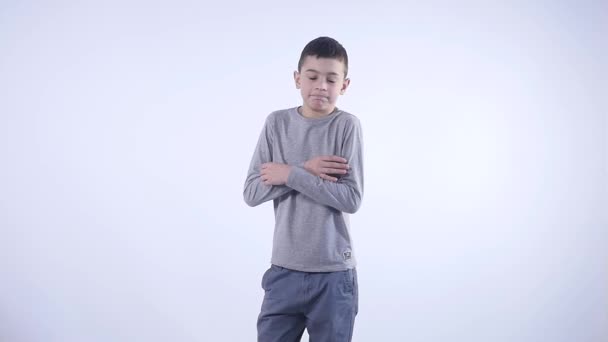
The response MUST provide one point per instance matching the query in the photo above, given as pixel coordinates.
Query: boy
(309, 161)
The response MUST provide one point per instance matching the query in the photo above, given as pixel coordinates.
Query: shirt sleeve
(256, 192)
(345, 194)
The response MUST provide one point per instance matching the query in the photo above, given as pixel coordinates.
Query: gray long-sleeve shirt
(312, 230)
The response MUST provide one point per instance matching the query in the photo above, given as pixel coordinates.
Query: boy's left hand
(275, 173)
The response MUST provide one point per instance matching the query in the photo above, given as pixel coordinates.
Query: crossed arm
(316, 178)
(276, 179)
(322, 166)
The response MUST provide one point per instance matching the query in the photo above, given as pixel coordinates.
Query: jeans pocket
(356, 290)
(265, 278)
(348, 281)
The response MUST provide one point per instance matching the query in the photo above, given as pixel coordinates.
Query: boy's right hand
(324, 166)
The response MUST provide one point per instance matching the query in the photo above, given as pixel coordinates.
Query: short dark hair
(324, 47)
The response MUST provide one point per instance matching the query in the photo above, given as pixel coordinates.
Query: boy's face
(321, 81)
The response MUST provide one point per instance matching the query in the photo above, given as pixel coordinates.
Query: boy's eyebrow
(329, 73)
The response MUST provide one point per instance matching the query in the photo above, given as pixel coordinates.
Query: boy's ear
(345, 85)
(296, 78)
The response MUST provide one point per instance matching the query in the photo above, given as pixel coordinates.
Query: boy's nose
(322, 85)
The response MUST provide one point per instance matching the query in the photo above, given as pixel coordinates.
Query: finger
(329, 178)
(334, 171)
(335, 159)
(335, 165)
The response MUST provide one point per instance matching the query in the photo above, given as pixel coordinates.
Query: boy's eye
(314, 78)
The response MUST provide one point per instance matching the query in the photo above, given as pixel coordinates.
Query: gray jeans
(324, 303)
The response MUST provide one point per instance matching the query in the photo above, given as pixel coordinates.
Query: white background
(126, 130)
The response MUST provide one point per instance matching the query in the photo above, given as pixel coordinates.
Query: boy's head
(321, 76)
(324, 47)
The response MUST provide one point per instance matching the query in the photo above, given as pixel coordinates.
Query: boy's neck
(312, 114)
